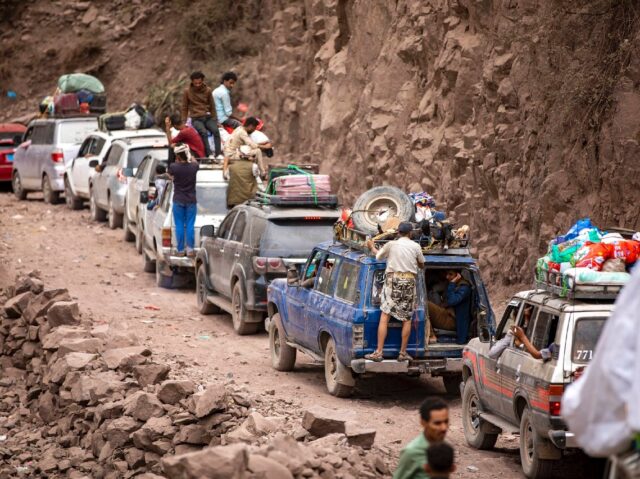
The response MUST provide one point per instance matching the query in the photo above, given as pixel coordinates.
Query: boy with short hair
(440, 461)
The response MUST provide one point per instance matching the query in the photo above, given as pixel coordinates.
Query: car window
(347, 282)
(135, 157)
(41, 134)
(114, 155)
(75, 131)
(97, 146)
(540, 335)
(238, 227)
(508, 319)
(85, 148)
(526, 320)
(312, 268)
(291, 237)
(28, 135)
(378, 284)
(226, 225)
(328, 273)
(212, 199)
(141, 168)
(166, 199)
(585, 338)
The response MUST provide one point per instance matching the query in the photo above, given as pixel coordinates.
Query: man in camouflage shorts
(404, 260)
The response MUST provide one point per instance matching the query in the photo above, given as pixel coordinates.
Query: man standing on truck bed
(184, 173)
(197, 102)
(404, 260)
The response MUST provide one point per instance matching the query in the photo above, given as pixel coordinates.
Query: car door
(101, 180)
(139, 183)
(345, 307)
(29, 174)
(162, 218)
(295, 319)
(318, 308)
(488, 382)
(217, 250)
(79, 174)
(233, 251)
(21, 157)
(42, 153)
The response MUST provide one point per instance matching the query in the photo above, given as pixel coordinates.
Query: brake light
(555, 396)
(57, 156)
(312, 218)
(274, 263)
(120, 176)
(166, 237)
(262, 265)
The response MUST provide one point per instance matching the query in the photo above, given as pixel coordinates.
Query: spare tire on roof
(377, 205)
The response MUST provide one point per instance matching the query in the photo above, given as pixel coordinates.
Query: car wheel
(202, 291)
(96, 213)
(115, 218)
(283, 356)
(50, 196)
(471, 421)
(139, 238)
(148, 264)
(240, 314)
(73, 202)
(339, 378)
(16, 183)
(532, 465)
(162, 280)
(452, 384)
(128, 235)
(378, 204)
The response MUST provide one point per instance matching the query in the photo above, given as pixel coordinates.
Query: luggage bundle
(136, 117)
(76, 94)
(298, 185)
(588, 261)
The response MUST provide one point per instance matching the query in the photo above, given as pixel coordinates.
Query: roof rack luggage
(330, 201)
(570, 287)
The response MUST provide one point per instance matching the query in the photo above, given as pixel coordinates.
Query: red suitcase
(66, 103)
(299, 185)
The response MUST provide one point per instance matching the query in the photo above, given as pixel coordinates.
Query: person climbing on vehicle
(197, 102)
(404, 260)
(455, 315)
(160, 182)
(186, 134)
(184, 173)
(222, 100)
(434, 419)
(440, 463)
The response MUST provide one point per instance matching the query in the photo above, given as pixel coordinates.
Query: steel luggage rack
(555, 283)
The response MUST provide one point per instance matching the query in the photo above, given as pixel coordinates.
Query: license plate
(10, 157)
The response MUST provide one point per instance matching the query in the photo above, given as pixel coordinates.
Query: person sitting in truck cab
(455, 315)
(522, 341)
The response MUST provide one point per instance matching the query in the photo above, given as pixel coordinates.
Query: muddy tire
(50, 196)
(532, 465)
(202, 291)
(127, 235)
(139, 238)
(283, 356)
(115, 218)
(378, 204)
(148, 264)
(162, 280)
(339, 378)
(95, 212)
(240, 316)
(471, 422)
(452, 384)
(18, 190)
(72, 201)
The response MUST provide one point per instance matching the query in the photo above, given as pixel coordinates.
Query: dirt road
(105, 274)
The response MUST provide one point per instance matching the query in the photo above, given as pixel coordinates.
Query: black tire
(337, 376)
(148, 264)
(202, 291)
(115, 218)
(73, 202)
(16, 183)
(96, 213)
(162, 280)
(471, 422)
(50, 196)
(532, 465)
(240, 316)
(139, 238)
(127, 235)
(382, 198)
(452, 384)
(283, 356)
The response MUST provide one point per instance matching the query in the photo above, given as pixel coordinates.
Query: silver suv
(47, 147)
(107, 188)
(513, 392)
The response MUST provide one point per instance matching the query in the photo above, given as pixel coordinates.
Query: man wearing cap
(404, 261)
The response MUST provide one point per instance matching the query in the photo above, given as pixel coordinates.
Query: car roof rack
(308, 201)
(556, 284)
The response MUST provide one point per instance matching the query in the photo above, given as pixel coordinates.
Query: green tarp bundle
(79, 81)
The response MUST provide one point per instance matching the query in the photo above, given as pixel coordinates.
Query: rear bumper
(418, 366)
(563, 439)
(5, 172)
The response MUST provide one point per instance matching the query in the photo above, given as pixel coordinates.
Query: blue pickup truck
(330, 311)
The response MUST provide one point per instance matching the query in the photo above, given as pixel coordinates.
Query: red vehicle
(10, 138)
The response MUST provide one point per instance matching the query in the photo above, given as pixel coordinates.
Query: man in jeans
(197, 102)
(183, 173)
(222, 99)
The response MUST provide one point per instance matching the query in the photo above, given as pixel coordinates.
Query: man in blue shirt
(222, 100)
(455, 314)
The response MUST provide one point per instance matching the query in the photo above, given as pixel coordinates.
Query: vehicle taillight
(57, 156)
(274, 263)
(555, 396)
(312, 218)
(120, 176)
(262, 265)
(166, 237)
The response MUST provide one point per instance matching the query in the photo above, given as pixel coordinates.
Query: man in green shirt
(434, 419)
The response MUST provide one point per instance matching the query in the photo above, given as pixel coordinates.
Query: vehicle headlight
(358, 335)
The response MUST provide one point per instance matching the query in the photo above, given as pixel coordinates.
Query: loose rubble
(84, 402)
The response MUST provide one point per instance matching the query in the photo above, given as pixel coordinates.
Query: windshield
(585, 338)
(136, 156)
(75, 131)
(212, 200)
(295, 237)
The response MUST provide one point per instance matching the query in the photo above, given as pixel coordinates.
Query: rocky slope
(518, 116)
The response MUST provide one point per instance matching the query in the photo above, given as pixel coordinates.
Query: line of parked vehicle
(252, 262)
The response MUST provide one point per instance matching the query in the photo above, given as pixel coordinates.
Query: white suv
(79, 172)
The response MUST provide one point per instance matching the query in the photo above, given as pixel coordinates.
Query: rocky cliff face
(518, 116)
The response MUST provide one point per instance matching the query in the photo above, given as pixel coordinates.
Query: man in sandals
(404, 261)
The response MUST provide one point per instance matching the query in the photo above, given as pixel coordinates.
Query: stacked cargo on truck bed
(76, 94)
(298, 185)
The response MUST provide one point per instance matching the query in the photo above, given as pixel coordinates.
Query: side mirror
(484, 334)
(93, 163)
(128, 172)
(144, 197)
(208, 231)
